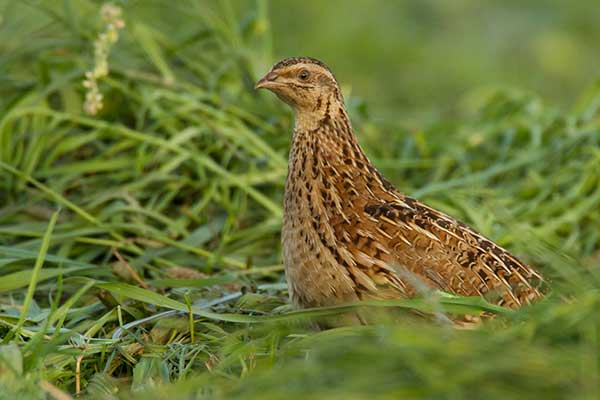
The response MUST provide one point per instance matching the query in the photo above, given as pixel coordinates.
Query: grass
(139, 248)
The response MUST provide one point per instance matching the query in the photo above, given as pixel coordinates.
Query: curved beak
(267, 82)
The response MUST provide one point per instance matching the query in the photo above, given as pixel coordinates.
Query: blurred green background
(419, 58)
(409, 60)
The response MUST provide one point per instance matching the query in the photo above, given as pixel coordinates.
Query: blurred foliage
(139, 249)
(419, 58)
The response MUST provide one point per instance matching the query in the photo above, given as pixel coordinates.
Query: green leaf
(21, 279)
(196, 283)
(39, 262)
(143, 295)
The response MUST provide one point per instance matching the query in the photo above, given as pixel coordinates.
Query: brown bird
(349, 235)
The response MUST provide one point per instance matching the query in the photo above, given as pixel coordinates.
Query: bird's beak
(267, 82)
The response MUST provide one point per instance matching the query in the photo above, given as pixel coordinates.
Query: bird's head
(305, 83)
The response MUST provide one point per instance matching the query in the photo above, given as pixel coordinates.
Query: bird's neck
(328, 171)
(327, 107)
(323, 133)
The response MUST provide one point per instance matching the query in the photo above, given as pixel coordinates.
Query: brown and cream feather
(348, 234)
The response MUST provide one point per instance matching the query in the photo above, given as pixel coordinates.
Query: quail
(348, 234)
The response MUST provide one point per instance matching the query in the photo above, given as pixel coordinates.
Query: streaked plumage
(348, 234)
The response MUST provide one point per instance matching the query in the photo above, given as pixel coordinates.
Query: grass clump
(167, 203)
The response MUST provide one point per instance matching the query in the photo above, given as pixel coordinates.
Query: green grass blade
(39, 262)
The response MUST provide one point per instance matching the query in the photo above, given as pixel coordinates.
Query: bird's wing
(418, 246)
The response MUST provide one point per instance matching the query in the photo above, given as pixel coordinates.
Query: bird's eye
(303, 75)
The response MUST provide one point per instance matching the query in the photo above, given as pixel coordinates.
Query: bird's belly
(313, 275)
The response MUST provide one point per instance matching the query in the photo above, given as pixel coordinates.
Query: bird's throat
(325, 108)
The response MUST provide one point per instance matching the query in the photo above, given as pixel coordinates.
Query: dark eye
(303, 75)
